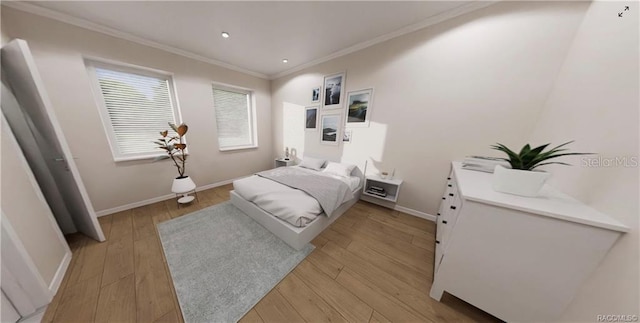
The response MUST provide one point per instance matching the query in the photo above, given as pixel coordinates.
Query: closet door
(35, 121)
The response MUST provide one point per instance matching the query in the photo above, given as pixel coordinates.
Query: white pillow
(339, 169)
(312, 163)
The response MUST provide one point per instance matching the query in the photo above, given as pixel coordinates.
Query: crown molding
(83, 23)
(452, 13)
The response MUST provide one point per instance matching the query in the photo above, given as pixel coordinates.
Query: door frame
(21, 45)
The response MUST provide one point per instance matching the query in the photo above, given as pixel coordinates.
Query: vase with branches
(175, 147)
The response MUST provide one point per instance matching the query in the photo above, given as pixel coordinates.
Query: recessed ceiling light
(285, 61)
(225, 34)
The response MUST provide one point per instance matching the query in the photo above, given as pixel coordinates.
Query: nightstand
(281, 162)
(381, 191)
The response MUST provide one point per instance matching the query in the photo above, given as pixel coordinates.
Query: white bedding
(289, 204)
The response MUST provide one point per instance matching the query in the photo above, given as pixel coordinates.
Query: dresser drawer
(438, 257)
(447, 213)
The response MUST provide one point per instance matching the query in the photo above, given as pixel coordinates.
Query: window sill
(133, 158)
(142, 157)
(238, 148)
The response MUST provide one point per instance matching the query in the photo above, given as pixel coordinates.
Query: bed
(293, 214)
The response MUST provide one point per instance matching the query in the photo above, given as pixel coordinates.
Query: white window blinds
(137, 105)
(234, 118)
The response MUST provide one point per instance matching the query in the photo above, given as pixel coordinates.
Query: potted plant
(524, 178)
(175, 148)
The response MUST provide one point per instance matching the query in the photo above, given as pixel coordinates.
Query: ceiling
(262, 33)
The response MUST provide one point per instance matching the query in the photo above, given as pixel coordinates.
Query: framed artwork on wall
(330, 125)
(346, 136)
(359, 108)
(311, 118)
(316, 93)
(333, 91)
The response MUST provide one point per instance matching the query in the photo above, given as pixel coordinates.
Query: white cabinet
(517, 258)
(380, 190)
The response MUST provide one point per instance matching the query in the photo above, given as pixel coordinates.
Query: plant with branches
(175, 147)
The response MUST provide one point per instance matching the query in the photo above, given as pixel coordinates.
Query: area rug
(222, 262)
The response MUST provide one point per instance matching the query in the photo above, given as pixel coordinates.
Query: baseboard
(159, 198)
(416, 213)
(133, 205)
(59, 276)
(229, 181)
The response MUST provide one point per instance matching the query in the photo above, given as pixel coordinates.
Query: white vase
(518, 182)
(182, 185)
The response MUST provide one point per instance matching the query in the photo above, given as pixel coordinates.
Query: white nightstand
(281, 162)
(391, 188)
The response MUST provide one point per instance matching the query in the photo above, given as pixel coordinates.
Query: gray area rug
(222, 262)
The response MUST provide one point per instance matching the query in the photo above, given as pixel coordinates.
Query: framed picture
(359, 108)
(333, 91)
(330, 129)
(346, 136)
(315, 94)
(311, 118)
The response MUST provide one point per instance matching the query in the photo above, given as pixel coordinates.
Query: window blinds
(233, 118)
(139, 107)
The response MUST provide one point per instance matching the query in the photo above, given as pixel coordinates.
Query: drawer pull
(444, 198)
(443, 221)
(438, 214)
(448, 178)
(437, 241)
(450, 194)
(453, 207)
(449, 185)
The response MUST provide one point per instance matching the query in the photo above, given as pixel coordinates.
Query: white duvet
(289, 204)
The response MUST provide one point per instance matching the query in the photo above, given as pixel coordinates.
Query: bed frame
(294, 236)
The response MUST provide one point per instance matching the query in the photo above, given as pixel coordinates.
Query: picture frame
(359, 108)
(347, 136)
(330, 129)
(333, 97)
(316, 94)
(311, 118)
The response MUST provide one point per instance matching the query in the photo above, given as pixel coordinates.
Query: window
(235, 118)
(135, 105)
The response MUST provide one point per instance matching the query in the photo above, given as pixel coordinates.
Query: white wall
(595, 102)
(440, 93)
(28, 212)
(58, 50)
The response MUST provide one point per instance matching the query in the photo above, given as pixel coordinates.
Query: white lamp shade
(183, 185)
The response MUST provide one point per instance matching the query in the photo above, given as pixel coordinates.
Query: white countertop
(476, 186)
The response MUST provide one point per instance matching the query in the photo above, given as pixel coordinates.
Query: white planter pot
(183, 185)
(518, 182)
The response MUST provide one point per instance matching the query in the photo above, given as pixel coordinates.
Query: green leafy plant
(174, 146)
(529, 159)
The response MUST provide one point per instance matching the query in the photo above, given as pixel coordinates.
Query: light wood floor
(371, 265)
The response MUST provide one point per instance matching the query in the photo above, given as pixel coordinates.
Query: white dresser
(517, 258)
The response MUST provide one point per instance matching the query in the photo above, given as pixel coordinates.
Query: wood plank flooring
(372, 265)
